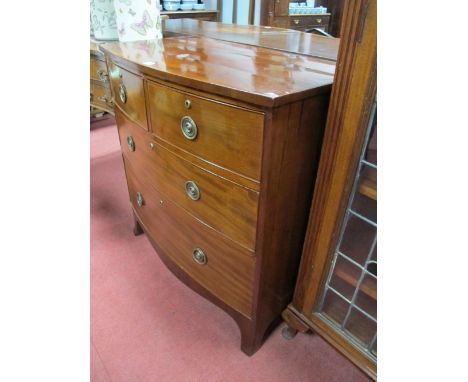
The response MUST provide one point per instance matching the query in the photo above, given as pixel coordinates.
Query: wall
(242, 11)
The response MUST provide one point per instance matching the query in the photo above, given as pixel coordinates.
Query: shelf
(367, 286)
(368, 183)
(188, 12)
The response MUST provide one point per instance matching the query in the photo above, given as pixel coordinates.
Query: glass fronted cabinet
(336, 288)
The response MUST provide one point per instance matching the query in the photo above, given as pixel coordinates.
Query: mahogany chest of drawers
(100, 93)
(220, 143)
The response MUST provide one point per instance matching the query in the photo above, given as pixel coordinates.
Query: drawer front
(223, 205)
(100, 95)
(229, 270)
(228, 136)
(98, 70)
(129, 94)
(309, 21)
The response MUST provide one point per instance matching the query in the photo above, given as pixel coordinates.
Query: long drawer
(222, 204)
(98, 70)
(223, 134)
(218, 264)
(100, 95)
(129, 94)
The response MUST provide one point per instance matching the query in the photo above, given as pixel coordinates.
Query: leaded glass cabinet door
(336, 286)
(348, 301)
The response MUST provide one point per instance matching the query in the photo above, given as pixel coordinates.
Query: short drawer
(309, 21)
(129, 94)
(218, 264)
(223, 134)
(98, 70)
(100, 95)
(227, 207)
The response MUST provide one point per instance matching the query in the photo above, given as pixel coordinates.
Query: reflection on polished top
(257, 75)
(275, 38)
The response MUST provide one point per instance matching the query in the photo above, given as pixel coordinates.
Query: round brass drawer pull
(296, 21)
(187, 104)
(192, 190)
(123, 93)
(189, 128)
(140, 200)
(199, 256)
(130, 143)
(319, 21)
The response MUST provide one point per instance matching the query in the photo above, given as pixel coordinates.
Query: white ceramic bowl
(171, 6)
(189, 1)
(199, 7)
(186, 7)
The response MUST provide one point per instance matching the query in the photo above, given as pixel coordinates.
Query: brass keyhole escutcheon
(187, 104)
(140, 200)
(192, 190)
(123, 93)
(199, 256)
(189, 128)
(130, 143)
(151, 146)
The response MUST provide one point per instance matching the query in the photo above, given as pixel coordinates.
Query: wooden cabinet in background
(276, 13)
(100, 92)
(336, 289)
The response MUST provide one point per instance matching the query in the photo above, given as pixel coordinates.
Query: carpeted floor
(148, 326)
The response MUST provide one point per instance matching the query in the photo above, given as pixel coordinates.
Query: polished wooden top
(255, 75)
(275, 38)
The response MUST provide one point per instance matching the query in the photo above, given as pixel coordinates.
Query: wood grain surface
(228, 136)
(223, 205)
(255, 75)
(229, 271)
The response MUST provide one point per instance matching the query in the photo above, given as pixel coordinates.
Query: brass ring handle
(130, 143)
(189, 128)
(199, 256)
(192, 190)
(296, 21)
(123, 93)
(187, 104)
(103, 76)
(140, 200)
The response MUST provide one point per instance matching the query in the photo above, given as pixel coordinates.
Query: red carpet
(148, 326)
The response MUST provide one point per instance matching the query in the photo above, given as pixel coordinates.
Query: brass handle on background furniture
(296, 21)
(199, 256)
(103, 76)
(192, 190)
(130, 143)
(140, 200)
(189, 128)
(187, 104)
(123, 93)
(319, 21)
